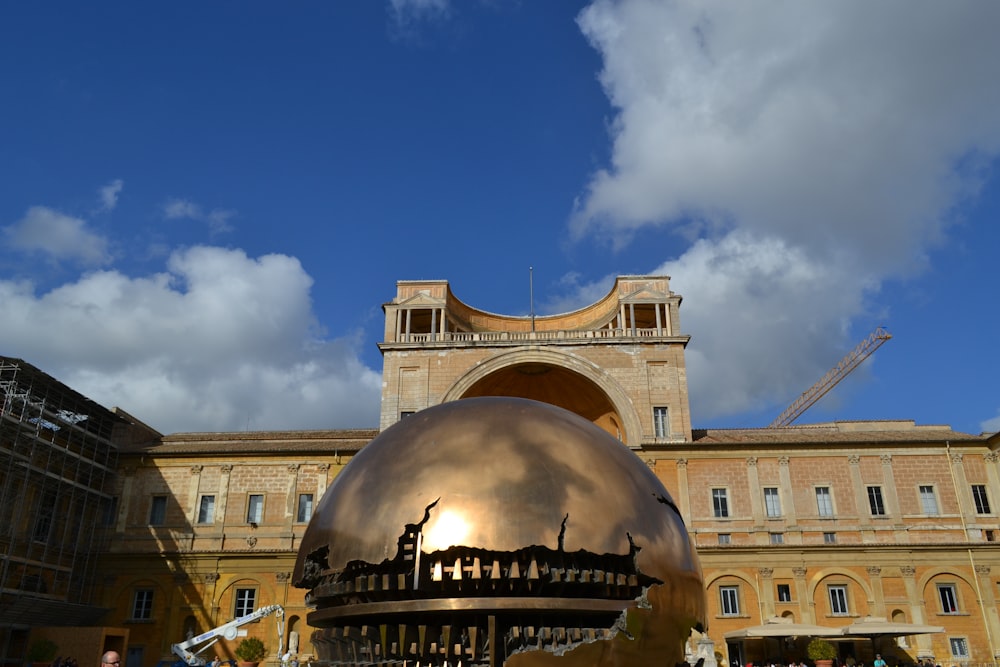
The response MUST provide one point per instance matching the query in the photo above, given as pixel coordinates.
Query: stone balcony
(493, 338)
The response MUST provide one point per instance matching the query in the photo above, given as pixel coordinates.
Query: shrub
(821, 649)
(42, 650)
(251, 649)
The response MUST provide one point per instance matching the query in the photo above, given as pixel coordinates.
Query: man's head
(111, 659)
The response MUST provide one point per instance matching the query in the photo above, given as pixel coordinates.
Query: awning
(874, 626)
(779, 627)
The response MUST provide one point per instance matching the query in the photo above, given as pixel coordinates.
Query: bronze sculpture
(492, 531)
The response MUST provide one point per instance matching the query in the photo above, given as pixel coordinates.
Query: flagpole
(531, 296)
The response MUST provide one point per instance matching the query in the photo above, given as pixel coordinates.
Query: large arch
(558, 379)
(857, 606)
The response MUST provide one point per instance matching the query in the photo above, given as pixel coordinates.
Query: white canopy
(874, 626)
(780, 627)
(869, 626)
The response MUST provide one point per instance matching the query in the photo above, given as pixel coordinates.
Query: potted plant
(42, 651)
(250, 651)
(821, 652)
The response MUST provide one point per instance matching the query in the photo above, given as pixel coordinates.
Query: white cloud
(991, 425)
(109, 194)
(815, 148)
(61, 237)
(181, 208)
(766, 320)
(218, 341)
(217, 218)
(404, 11)
(800, 120)
(407, 16)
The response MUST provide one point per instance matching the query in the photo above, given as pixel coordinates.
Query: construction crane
(189, 651)
(809, 397)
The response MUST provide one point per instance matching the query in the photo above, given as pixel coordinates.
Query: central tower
(618, 362)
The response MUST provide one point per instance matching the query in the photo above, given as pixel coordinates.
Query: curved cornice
(588, 317)
(615, 394)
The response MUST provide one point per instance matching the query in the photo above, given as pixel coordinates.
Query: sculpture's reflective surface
(499, 530)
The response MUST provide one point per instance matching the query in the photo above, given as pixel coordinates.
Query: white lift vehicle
(190, 651)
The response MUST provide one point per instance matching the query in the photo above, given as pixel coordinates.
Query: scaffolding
(58, 455)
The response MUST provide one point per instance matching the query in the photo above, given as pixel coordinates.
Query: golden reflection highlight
(449, 529)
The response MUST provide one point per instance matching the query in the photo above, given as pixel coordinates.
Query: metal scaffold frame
(57, 460)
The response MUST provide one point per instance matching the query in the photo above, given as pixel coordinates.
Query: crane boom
(183, 650)
(851, 361)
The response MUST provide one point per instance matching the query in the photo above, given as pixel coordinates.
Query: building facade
(823, 524)
(58, 457)
(207, 530)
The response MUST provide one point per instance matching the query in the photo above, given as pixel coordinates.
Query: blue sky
(203, 205)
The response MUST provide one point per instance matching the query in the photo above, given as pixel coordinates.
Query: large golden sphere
(511, 509)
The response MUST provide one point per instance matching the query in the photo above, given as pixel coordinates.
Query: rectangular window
(661, 423)
(255, 507)
(784, 593)
(405, 413)
(43, 517)
(875, 502)
(982, 500)
(829, 538)
(305, 510)
(777, 538)
(838, 600)
(109, 511)
(824, 501)
(720, 503)
(725, 538)
(772, 502)
(730, 600)
(246, 602)
(142, 604)
(959, 647)
(158, 511)
(206, 511)
(949, 599)
(928, 501)
(134, 656)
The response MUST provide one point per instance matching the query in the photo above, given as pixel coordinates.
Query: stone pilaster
(878, 593)
(292, 496)
(125, 501)
(802, 594)
(766, 592)
(787, 491)
(756, 502)
(223, 499)
(988, 605)
(683, 492)
(193, 489)
(860, 498)
(322, 479)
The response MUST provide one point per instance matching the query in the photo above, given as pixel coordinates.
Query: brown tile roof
(352, 440)
(842, 432)
(257, 442)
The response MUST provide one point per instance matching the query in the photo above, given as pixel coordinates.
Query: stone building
(207, 530)
(823, 524)
(58, 456)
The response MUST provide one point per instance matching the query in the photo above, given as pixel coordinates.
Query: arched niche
(558, 379)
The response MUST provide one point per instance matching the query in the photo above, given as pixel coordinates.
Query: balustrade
(528, 336)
